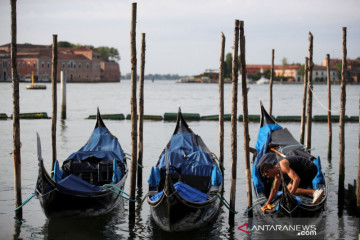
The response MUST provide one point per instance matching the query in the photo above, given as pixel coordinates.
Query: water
(160, 97)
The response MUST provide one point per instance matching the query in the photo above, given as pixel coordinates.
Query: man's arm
(285, 168)
(273, 192)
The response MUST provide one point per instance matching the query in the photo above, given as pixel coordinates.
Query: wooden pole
(309, 95)
(133, 111)
(54, 101)
(329, 105)
(245, 115)
(16, 113)
(271, 79)
(221, 104)
(358, 177)
(358, 180)
(141, 110)
(63, 94)
(342, 118)
(234, 122)
(303, 120)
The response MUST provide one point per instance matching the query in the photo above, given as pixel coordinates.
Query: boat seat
(199, 182)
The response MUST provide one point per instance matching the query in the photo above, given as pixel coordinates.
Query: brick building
(80, 64)
(353, 67)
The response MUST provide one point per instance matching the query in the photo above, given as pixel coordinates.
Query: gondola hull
(57, 203)
(172, 213)
(281, 142)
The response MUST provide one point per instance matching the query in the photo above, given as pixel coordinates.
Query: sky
(184, 36)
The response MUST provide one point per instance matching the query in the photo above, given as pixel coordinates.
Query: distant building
(353, 67)
(81, 64)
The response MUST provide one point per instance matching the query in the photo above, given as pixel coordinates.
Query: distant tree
(65, 44)
(108, 53)
(301, 70)
(228, 65)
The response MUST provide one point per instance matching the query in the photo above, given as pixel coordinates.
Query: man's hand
(267, 206)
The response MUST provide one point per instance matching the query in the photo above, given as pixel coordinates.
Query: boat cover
(185, 191)
(186, 157)
(319, 178)
(102, 145)
(116, 172)
(73, 184)
(264, 137)
(154, 178)
(216, 177)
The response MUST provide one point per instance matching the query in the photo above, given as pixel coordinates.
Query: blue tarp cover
(184, 155)
(264, 137)
(74, 183)
(216, 176)
(154, 178)
(319, 178)
(101, 145)
(116, 172)
(185, 191)
(57, 172)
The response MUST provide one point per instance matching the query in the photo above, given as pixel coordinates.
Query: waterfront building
(81, 64)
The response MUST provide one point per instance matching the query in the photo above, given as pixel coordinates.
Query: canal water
(161, 97)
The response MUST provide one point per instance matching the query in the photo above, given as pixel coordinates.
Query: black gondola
(273, 144)
(184, 185)
(90, 181)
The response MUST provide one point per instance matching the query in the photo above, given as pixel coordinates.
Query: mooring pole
(271, 80)
(245, 116)
(358, 177)
(221, 105)
(141, 110)
(309, 95)
(54, 101)
(234, 123)
(342, 117)
(303, 112)
(16, 113)
(133, 111)
(329, 105)
(63, 94)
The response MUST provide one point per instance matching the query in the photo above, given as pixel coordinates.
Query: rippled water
(161, 97)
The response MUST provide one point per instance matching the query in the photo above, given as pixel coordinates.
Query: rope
(321, 104)
(25, 202)
(226, 204)
(129, 199)
(258, 203)
(113, 186)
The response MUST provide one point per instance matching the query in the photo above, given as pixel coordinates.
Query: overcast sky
(183, 36)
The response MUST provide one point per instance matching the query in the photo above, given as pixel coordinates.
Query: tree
(108, 53)
(228, 65)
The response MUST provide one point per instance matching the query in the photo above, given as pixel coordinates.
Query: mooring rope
(25, 202)
(321, 104)
(226, 204)
(109, 187)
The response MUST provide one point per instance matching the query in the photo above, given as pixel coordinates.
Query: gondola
(273, 144)
(90, 181)
(184, 184)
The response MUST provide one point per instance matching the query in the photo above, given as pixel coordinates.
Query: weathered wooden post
(63, 94)
(271, 80)
(245, 116)
(221, 105)
(329, 105)
(141, 111)
(309, 95)
(303, 120)
(16, 113)
(234, 122)
(358, 177)
(54, 101)
(133, 111)
(342, 118)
